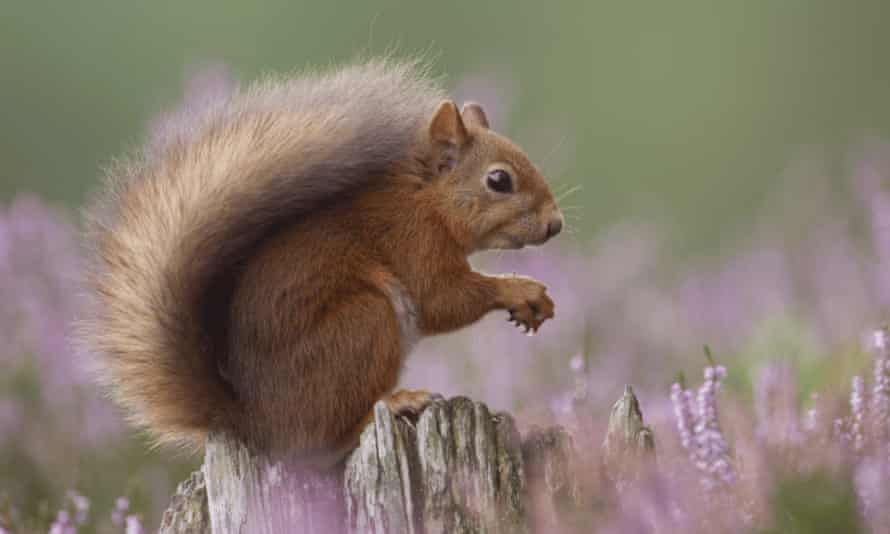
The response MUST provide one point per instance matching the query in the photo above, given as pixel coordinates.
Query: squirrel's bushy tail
(221, 176)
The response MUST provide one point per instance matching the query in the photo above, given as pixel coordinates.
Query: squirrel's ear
(447, 125)
(473, 114)
(448, 134)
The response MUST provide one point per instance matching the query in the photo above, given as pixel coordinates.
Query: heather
(65, 454)
(782, 424)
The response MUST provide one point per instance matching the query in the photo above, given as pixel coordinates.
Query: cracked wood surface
(457, 468)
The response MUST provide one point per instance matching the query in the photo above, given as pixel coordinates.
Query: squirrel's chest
(406, 315)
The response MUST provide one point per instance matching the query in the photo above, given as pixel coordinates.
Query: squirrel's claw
(530, 313)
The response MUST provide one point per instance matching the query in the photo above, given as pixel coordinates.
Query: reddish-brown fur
(295, 330)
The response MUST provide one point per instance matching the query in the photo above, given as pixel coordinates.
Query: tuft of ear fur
(447, 126)
(473, 114)
(448, 134)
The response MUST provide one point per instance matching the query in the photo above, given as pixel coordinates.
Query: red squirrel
(267, 268)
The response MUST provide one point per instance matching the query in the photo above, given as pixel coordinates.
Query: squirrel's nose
(554, 227)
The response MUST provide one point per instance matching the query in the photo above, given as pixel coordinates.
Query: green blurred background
(687, 112)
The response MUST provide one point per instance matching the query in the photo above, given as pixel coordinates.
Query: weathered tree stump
(629, 446)
(457, 469)
(187, 513)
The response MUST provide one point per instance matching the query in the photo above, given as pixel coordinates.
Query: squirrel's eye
(499, 180)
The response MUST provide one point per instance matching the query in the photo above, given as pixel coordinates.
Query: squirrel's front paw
(528, 303)
(410, 402)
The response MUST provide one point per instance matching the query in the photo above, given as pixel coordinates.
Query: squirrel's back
(181, 214)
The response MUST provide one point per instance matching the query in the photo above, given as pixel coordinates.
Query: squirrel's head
(495, 198)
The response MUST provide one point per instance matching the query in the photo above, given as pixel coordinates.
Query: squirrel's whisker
(572, 190)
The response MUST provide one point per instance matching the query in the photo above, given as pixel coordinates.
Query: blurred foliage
(687, 111)
(815, 503)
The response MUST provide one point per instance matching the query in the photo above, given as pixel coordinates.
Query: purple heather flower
(134, 525)
(880, 340)
(118, 515)
(700, 432)
(581, 390)
(711, 449)
(683, 411)
(870, 177)
(577, 363)
(858, 413)
(726, 303)
(40, 267)
(812, 422)
(775, 403)
(841, 432)
(62, 524)
(836, 311)
(870, 481)
(880, 399)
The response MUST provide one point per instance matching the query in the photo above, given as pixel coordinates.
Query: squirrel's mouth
(541, 240)
(510, 242)
(505, 241)
(514, 242)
